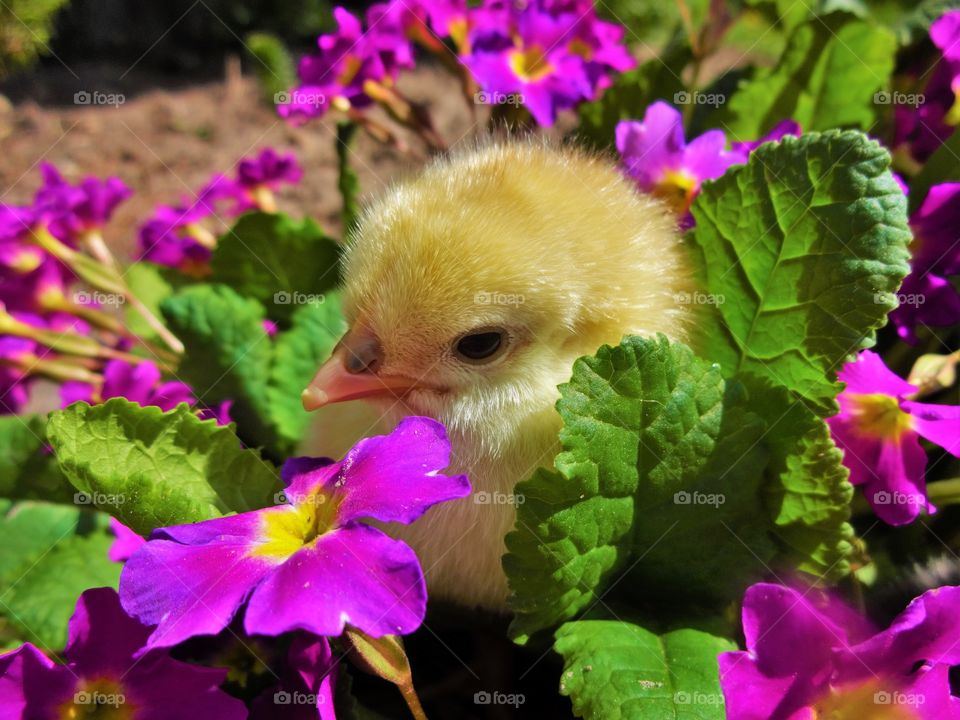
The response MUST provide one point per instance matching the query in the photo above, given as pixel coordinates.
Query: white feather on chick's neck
(549, 244)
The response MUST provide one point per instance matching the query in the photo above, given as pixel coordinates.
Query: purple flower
(307, 684)
(219, 412)
(809, 656)
(925, 126)
(16, 254)
(139, 383)
(550, 56)
(345, 61)
(927, 297)
(779, 131)
(72, 210)
(103, 678)
(307, 565)
(656, 155)
(126, 542)
(268, 169)
(879, 431)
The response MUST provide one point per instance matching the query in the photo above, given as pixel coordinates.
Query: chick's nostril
(363, 357)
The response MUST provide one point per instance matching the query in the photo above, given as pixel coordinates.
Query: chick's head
(471, 289)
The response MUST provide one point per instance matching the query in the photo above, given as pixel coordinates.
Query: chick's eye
(480, 346)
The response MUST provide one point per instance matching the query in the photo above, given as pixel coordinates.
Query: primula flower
(139, 383)
(307, 565)
(126, 542)
(656, 154)
(810, 656)
(924, 127)
(346, 59)
(103, 678)
(879, 431)
(550, 55)
(269, 169)
(307, 684)
(779, 131)
(927, 297)
(72, 210)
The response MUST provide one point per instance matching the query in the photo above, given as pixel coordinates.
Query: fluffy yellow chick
(470, 290)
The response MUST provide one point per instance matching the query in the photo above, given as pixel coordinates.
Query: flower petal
(32, 685)
(101, 636)
(748, 694)
(354, 575)
(192, 589)
(391, 478)
(162, 688)
(897, 491)
(868, 375)
(940, 424)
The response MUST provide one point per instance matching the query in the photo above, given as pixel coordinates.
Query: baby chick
(469, 291)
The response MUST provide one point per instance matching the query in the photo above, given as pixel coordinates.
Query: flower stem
(413, 702)
(944, 492)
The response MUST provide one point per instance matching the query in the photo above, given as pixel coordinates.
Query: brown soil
(166, 143)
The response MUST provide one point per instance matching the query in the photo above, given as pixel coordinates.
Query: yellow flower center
(677, 189)
(289, 528)
(351, 67)
(26, 261)
(867, 702)
(98, 699)
(579, 47)
(458, 33)
(530, 65)
(878, 416)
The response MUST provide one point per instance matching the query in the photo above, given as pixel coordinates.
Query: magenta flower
(927, 296)
(307, 684)
(16, 254)
(879, 431)
(779, 131)
(139, 383)
(269, 169)
(548, 56)
(309, 564)
(809, 656)
(346, 59)
(72, 210)
(656, 155)
(105, 677)
(126, 542)
(925, 126)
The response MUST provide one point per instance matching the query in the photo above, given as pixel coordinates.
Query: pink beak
(352, 372)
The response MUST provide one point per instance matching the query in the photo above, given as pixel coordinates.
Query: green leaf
(628, 97)
(808, 495)
(802, 250)
(27, 470)
(228, 354)
(151, 284)
(153, 469)
(298, 352)
(615, 670)
(943, 166)
(659, 465)
(278, 261)
(826, 78)
(52, 553)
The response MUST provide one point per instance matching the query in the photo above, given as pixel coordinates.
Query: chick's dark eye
(480, 346)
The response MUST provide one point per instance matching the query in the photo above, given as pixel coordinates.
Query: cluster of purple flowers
(547, 55)
(810, 656)
(308, 566)
(176, 235)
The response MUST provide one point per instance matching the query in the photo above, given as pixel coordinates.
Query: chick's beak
(352, 372)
